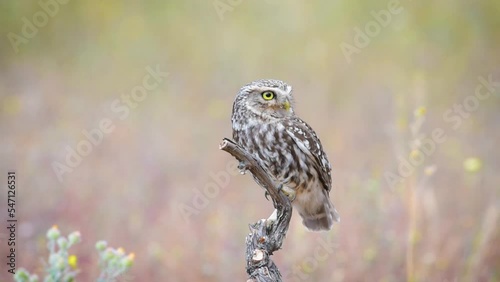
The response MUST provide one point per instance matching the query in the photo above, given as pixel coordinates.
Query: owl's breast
(276, 152)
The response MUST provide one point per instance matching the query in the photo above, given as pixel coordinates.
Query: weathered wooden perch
(266, 235)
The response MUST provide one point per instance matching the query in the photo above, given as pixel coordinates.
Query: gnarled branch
(265, 236)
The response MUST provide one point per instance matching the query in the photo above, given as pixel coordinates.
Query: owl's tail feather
(323, 219)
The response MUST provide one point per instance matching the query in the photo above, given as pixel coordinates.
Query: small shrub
(61, 266)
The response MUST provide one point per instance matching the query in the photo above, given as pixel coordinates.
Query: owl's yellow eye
(268, 95)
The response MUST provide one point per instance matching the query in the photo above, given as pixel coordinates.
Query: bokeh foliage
(129, 188)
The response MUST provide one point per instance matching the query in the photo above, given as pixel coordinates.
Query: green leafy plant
(61, 266)
(113, 262)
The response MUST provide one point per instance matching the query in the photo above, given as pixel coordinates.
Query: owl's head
(267, 98)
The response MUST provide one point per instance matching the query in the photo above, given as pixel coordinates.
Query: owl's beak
(286, 105)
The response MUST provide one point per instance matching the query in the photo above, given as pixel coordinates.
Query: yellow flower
(120, 251)
(131, 256)
(72, 261)
(473, 164)
(414, 154)
(420, 111)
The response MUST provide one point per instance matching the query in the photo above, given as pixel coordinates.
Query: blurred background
(374, 79)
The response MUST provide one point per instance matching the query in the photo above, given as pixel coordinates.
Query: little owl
(264, 124)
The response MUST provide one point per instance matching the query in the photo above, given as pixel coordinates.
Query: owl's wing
(307, 140)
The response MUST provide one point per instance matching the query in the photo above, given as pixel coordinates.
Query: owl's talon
(280, 187)
(290, 193)
(242, 166)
